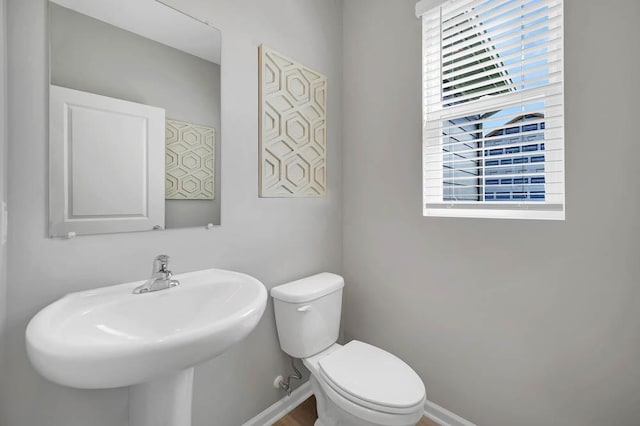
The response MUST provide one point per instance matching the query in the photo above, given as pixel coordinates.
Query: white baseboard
(444, 417)
(281, 408)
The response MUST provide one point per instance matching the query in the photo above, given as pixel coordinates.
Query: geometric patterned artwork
(293, 128)
(190, 159)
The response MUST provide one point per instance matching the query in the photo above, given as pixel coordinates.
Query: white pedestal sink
(110, 337)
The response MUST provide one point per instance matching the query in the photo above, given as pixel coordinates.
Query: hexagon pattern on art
(190, 159)
(293, 114)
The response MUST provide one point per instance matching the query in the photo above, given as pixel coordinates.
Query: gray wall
(508, 322)
(275, 240)
(3, 179)
(89, 55)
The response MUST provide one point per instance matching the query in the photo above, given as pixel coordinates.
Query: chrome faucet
(160, 277)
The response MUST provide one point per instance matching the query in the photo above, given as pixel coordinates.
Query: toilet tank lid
(308, 289)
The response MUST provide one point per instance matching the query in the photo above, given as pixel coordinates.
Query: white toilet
(356, 384)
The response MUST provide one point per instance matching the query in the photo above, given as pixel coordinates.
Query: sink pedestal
(165, 401)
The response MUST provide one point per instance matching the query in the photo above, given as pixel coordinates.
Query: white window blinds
(493, 103)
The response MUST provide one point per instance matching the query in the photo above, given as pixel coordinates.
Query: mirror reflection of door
(148, 54)
(106, 166)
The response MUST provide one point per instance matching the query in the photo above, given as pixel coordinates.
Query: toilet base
(330, 414)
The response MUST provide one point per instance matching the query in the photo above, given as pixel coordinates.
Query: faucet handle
(160, 263)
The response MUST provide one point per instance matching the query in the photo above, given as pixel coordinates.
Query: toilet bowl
(356, 384)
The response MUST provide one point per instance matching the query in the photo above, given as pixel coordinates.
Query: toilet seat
(373, 378)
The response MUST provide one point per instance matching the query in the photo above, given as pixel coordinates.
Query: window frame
(439, 112)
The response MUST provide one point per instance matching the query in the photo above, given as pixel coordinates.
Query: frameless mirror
(134, 117)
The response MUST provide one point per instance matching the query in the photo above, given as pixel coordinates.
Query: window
(493, 108)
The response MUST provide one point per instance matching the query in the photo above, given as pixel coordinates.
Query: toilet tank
(308, 313)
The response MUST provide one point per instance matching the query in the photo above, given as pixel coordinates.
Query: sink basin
(109, 337)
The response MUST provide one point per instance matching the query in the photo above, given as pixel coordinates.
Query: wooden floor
(305, 415)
